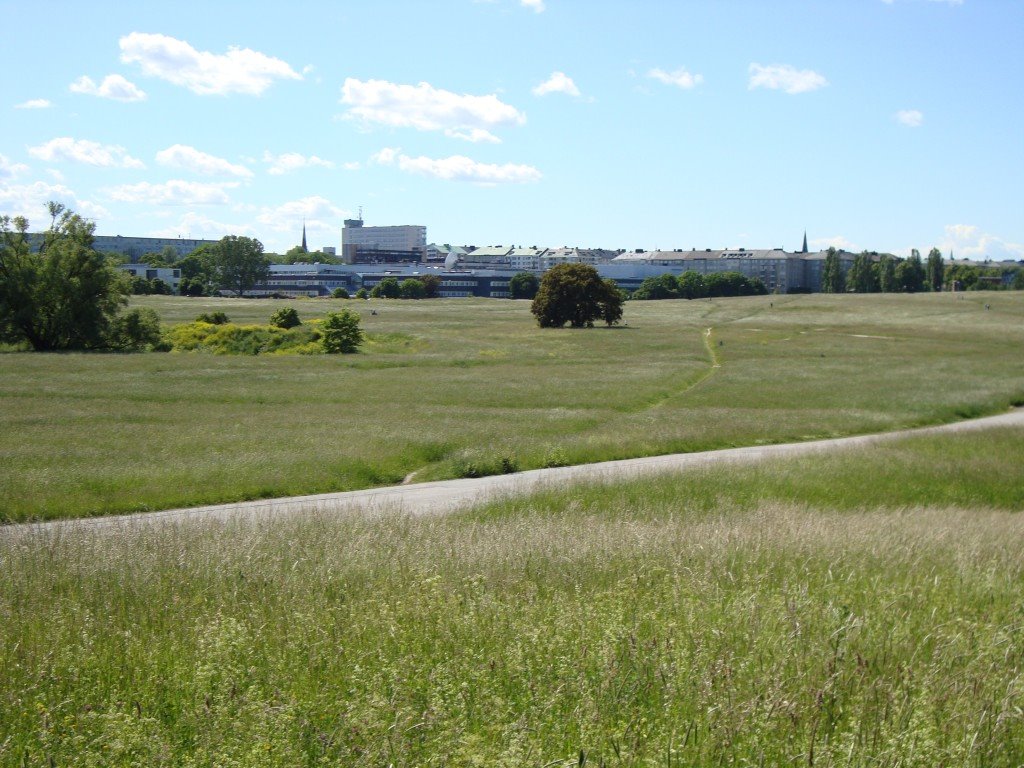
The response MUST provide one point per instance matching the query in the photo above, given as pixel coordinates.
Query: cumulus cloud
(174, 192)
(197, 225)
(838, 242)
(559, 82)
(34, 104)
(967, 241)
(113, 87)
(536, 5)
(240, 70)
(783, 77)
(9, 170)
(426, 108)
(29, 200)
(293, 161)
(678, 77)
(319, 213)
(911, 118)
(459, 168)
(191, 159)
(84, 151)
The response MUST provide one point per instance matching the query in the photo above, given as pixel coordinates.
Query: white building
(404, 237)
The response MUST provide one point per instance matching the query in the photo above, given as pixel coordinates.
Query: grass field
(451, 388)
(860, 609)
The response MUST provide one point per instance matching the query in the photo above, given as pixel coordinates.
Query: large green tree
(934, 270)
(238, 264)
(832, 278)
(862, 277)
(576, 294)
(523, 285)
(887, 274)
(691, 285)
(910, 274)
(65, 296)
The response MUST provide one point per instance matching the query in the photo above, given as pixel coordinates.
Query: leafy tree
(431, 286)
(691, 285)
(159, 287)
(192, 287)
(238, 264)
(832, 280)
(887, 274)
(1018, 281)
(362, 294)
(340, 332)
(910, 274)
(339, 293)
(411, 288)
(661, 287)
(575, 294)
(523, 285)
(285, 317)
(388, 288)
(862, 277)
(135, 330)
(934, 270)
(732, 284)
(67, 295)
(140, 286)
(964, 276)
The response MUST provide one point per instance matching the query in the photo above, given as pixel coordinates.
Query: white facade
(404, 237)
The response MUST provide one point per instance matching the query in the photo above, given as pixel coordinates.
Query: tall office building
(358, 242)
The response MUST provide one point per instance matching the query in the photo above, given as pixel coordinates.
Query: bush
(340, 332)
(285, 317)
(523, 285)
(388, 288)
(411, 288)
(339, 293)
(135, 330)
(362, 294)
(213, 318)
(231, 339)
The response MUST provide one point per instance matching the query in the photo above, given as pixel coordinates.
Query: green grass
(447, 387)
(860, 609)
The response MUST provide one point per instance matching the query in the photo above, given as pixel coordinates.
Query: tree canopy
(67, 295)
(238, 264)
(523, 285)
(576, 294)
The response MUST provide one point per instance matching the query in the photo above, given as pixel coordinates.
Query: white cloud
(319, 213)
(679, 77)
(196, 225)
(911, 118)
(838, 242)
(782, 77)
(475, 135)
(559, 82)
(428, 109)
(240, 70)
(191, 159)
(293, 161)
(113, 87)
(174, 192)
(9, 170)
(536, 5)
(84, 151)
(386, 156)
(967, 241)
(355, 165)
(29, 200)
(459, 168)
(34, 104)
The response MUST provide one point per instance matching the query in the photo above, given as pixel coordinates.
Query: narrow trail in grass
(445, 496)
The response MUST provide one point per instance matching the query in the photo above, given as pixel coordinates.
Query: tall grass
(733, 616)
(445, 388)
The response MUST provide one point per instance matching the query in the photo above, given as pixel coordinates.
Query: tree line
(884, 273)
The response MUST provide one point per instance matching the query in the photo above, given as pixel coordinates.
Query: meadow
(448, 388)
(857, 609)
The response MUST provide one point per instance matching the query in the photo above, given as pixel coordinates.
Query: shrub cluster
(693, 285)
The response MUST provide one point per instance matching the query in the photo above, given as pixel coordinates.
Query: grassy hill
(450, 388)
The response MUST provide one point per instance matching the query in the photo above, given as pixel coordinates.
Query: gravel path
(447, 495)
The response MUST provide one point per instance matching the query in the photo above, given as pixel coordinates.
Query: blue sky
(874, 125)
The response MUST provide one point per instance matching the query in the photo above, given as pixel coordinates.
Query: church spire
(304, 248)
(803, 251)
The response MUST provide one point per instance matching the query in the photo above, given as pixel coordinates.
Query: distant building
(359, 242)
(134, 247)
(169, 275)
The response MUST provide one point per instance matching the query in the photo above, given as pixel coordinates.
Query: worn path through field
(445, 496)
